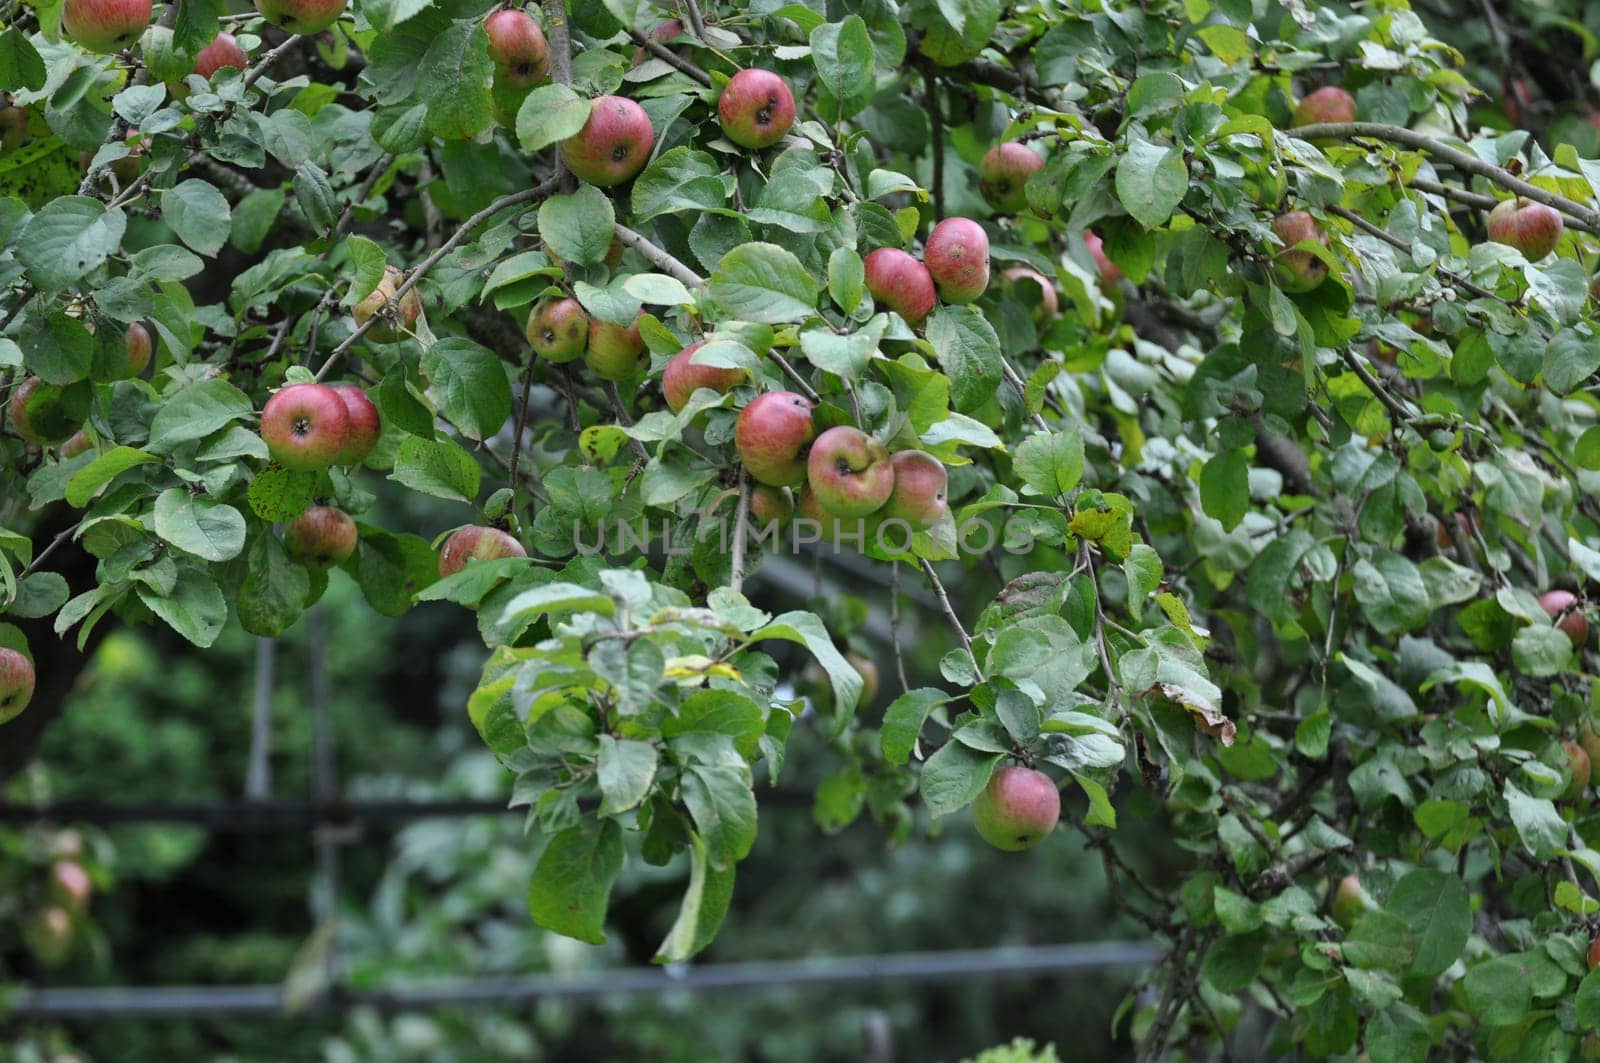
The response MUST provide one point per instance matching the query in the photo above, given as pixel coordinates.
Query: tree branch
(659, 258)
(950, 614)
(1585, 218)
(741, 517)
(670, 57)
(527, 195)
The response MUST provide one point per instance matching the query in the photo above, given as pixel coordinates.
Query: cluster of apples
(954, 267)
(50, 930)
(1531, 227)
(842, 474)
(559, 330)
(308, 428)
(38, 410)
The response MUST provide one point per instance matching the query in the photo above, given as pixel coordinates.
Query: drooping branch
(1583, 217)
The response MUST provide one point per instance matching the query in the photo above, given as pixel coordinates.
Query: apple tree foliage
(1272, 556)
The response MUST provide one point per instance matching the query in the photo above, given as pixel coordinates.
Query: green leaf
(846, 278)
(1051, 464)
(1436, 908)
(315, 196)
(572, 882)
(808, 631)
(954, 776)
(203, 527)
(550, 113)
(367, 262)
(1499, 990)
(1225, 488)
(843, 55)
(1379, 939)
(1398, 1034)
(723, 712)
(281, 494)
(196, 412)
(274, 590)
(723, 807)
(903, 720)
(969, 353)
(764, 283)
(437, 467)
(59, 349)
(1587, 1001)
(199, 214)
(67, 239)
(87, 481)
(1391, 591)
(195, 609)
(1151, 182)
(20, 64)
(469, 385)
(679, 180)
(1538, 824)
(454, 79)
(625, 771)
(1101, 811)
(705, 904)
(578, 227)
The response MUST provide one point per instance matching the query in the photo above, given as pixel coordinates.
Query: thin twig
(521, 422)
(347, 216)
(1015, 380)
(626, 421)
(936, 126)
(527, 195)
(950, 614)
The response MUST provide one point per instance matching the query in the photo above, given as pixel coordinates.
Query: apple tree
(1224, 372)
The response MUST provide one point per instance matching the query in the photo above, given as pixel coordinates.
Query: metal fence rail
(266, 1000)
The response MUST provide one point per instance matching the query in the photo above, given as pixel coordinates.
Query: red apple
(770, 505)
(140, 347)
(1298, 271)
(305, 426)
(756, 109)
(222, 51)
(1018, 808)
(900, 283)
(682, 378)
(70, 885)
(13, 125)
(1045, 303)
(1564, 609)
(1350, 901)
(1532, 228)
(301, 16)
(16, 683)
(48, 935)
(1003, 175)
(921, 485)
(1589, 739)
(1328, 104)
(1578, 769)
(957, 257)
(77, 443)
(517, 48)
(558, 330)
(867, 669)
(1594, 953)
(616, 352)
(850, 472)
(476, 543)
(1109, 273)
(38, 414)
(771, 434)
(613, 145)
(396, 318)
(321, 537)
(105, 26)
(365, 424)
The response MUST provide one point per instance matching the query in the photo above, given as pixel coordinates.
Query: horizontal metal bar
(155, 1001)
